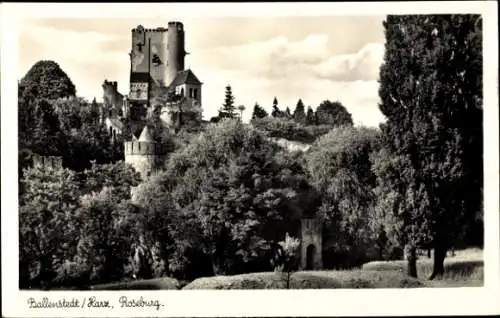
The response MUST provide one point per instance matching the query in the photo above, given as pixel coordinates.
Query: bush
(317, 130)
(361, 279)
(309, 280)
(72, 275)
(245, 281)
(289, 129)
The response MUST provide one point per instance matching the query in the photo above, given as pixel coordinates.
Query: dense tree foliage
(236, 194)
(46, 80)
(340, 169)
(289, 129)
(333, 113)
(431, 94)
(53, 121)
(259, 112)
(47, 208)
(72, 221)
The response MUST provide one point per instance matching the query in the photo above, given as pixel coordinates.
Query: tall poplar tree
(431, 95)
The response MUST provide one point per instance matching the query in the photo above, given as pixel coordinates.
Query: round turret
(145, 155)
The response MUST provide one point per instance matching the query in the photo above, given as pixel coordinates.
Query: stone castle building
(160, 88)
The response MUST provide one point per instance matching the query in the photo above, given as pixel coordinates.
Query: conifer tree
(259, 112)
(228, 109)
(299, 114)
(276, 111)
(431, 95)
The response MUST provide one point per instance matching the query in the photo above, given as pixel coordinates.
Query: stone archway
(310, 255)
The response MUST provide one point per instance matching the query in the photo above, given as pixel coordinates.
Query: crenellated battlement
(47, 162)
(140, 29)
(176, 24)
(144, 148)
(110, 84)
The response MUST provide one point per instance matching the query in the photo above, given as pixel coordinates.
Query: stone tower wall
(111, 95)
(140, 53)
(147, 158)
(311, 235)
(176, 50)
(167, 44)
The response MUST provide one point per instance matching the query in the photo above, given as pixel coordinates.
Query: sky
(311, 58)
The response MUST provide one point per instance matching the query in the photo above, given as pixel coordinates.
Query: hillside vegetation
(226, 210)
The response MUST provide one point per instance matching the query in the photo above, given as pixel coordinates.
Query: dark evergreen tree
(259, 112)
(276, 110)
(299, 114)
(431, 95)
(228, 109)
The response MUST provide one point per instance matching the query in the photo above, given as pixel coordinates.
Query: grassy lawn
(163, 283)
(465, 269)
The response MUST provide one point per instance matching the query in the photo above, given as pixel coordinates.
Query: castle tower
(113, 100)
(311, 244)
(176, 51)
(156, 57)
(158, 77)
(144, 154)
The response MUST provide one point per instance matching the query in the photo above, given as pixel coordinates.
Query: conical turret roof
(146, 135)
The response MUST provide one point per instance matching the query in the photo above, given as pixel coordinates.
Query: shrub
(283, 128)
(309, 280)
(72, 275)
(245, 281)
(164, 283)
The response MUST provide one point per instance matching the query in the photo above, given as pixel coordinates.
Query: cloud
(291, 70)
(80, 47)
(275, 58)
(362, 65)
(301, 60)
(288, 67)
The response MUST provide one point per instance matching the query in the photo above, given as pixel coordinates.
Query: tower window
(191, 92)
(195, 93)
